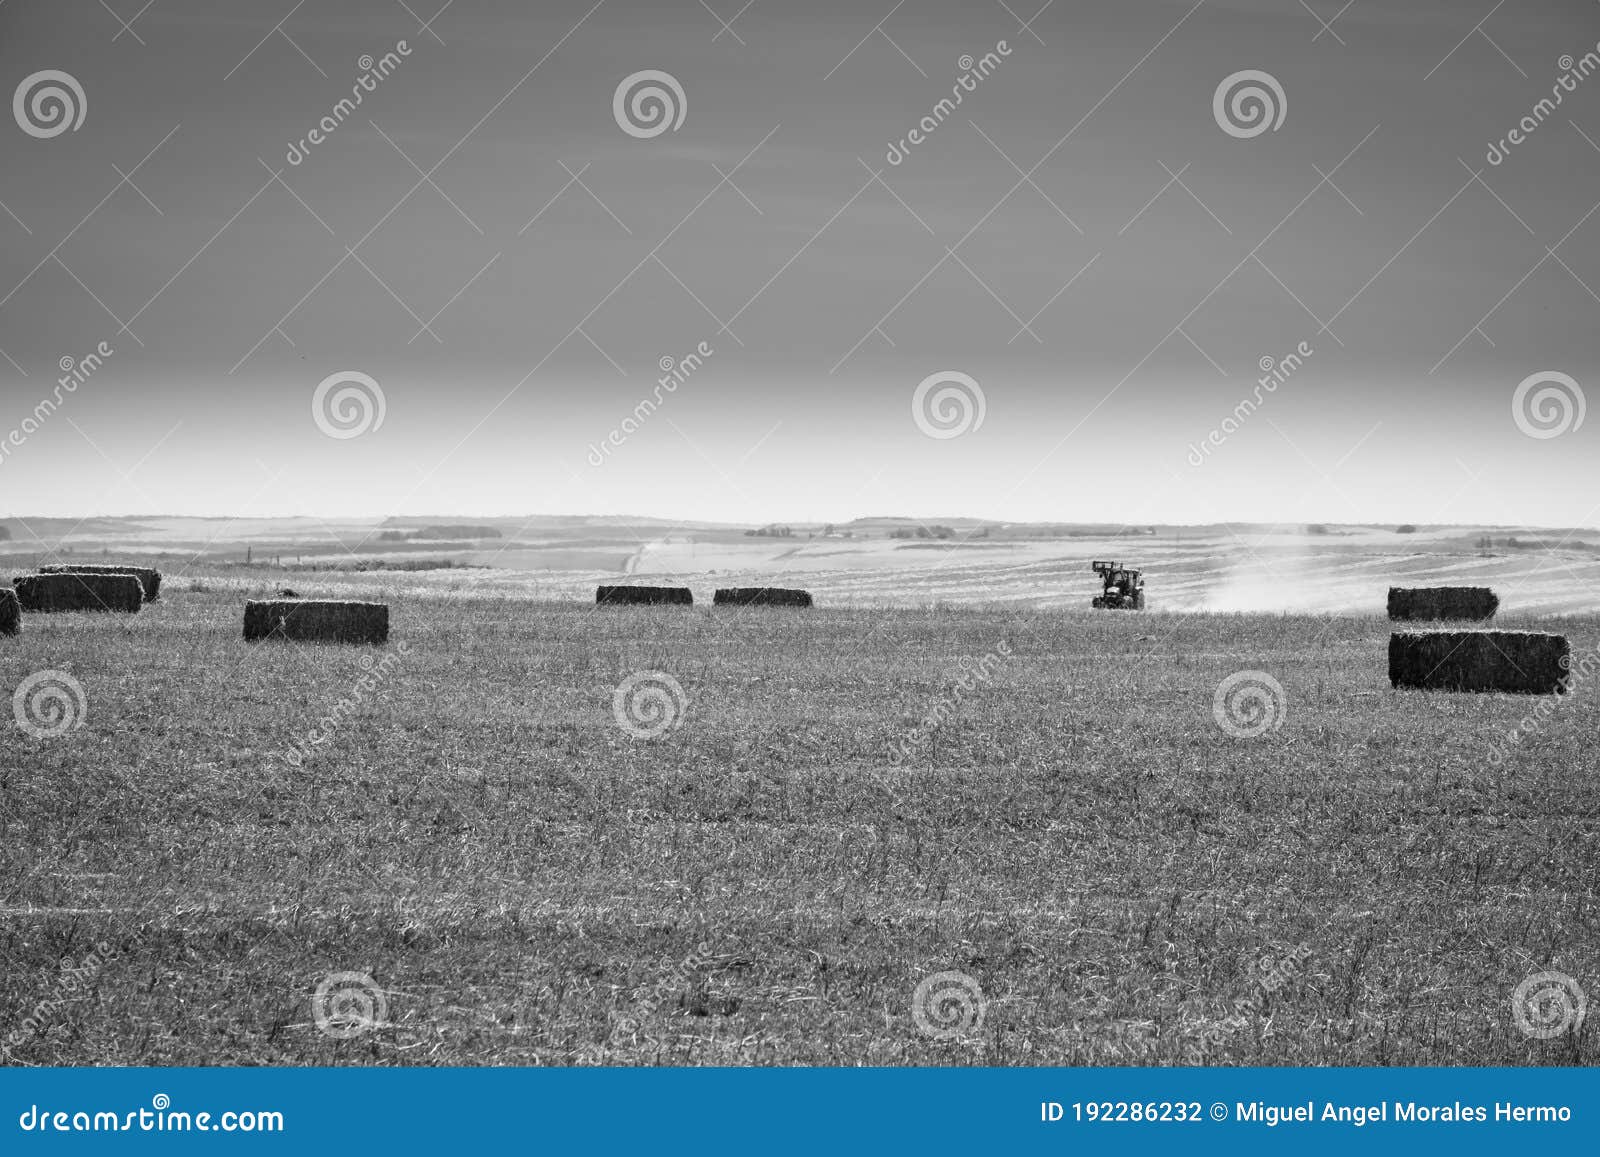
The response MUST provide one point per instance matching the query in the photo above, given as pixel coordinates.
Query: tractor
(1123, 587)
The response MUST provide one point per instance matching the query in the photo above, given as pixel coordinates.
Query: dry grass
(525, 880)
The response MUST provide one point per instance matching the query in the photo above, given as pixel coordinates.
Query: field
(850, 800)
(1229, 568)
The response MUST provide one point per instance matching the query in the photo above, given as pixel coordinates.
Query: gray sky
(1112, 308)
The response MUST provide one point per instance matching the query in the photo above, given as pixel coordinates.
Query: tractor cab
(1122, 587)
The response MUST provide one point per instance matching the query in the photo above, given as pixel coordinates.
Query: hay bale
(73, 591)
(1423, 604)
(10, 612)
(643, 596)
(761, 597)
(1522, 662)
(149, 578)
(316, 621)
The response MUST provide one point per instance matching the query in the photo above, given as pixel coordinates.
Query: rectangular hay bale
(149, 578)
(643, 596)
(761, 597)
(316, 621)
(73, 591)
(10, 612)
(1423, 604)
(1518, 662)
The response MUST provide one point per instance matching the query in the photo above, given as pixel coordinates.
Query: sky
(1086, 252)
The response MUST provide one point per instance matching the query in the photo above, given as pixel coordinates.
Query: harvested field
(1442, 603)
(763, 882)
(72, 591)
(1520, 662)
(149, 578)
(643, 596)
(761, 597)
(316, 621)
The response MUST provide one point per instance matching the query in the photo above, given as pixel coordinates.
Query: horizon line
(930, 520)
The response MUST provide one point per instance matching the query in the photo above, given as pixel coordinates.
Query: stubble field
(526, 881)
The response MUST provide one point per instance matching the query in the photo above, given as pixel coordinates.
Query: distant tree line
(1488, 542)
